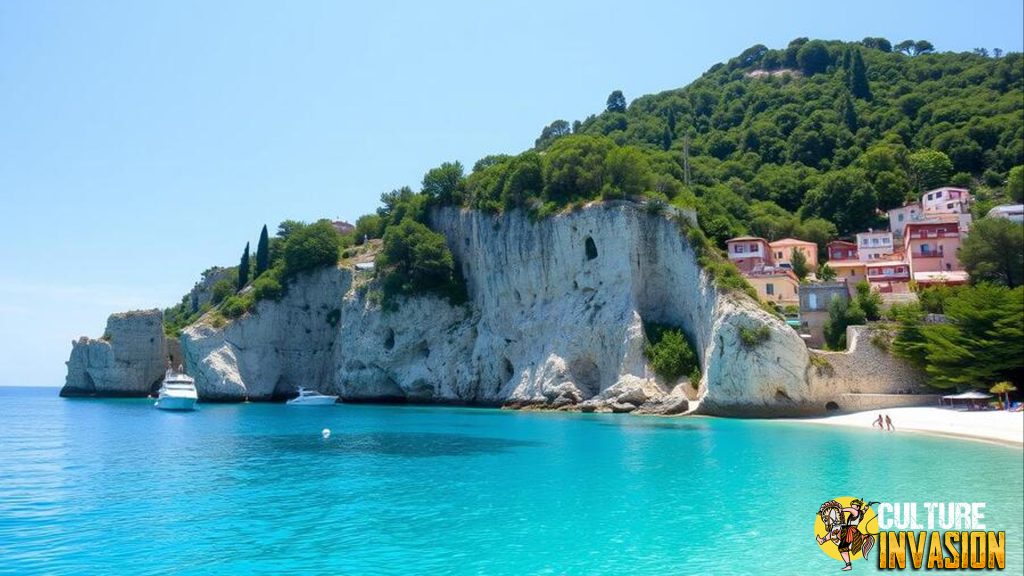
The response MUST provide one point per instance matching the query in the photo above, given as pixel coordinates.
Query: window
(949, 267)
(737, 248)
(929, 196)
(778, 255)
(899, 218)
(886, 241)
(754, 247)
(769, 288)
(874, 241)
(888, 271)
(949, 206)
(938, 194)
(925, 248)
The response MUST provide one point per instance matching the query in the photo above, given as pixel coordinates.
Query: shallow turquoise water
(117, 487)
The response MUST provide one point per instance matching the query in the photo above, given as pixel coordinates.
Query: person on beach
(888, 424)
(878, 422)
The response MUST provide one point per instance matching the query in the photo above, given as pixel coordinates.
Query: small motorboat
(308, 397)
(178, 391)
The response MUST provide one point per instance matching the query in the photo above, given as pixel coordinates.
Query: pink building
(932, 244)
(841, 250)
(782, 252)
(749, 253)
(888, 276)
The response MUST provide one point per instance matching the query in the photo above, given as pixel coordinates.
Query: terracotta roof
(792, 241)
(746, 239)
(845, 263)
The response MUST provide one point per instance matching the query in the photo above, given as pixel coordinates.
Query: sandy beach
(995, 426)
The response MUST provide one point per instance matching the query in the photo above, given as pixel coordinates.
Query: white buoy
(326, 433)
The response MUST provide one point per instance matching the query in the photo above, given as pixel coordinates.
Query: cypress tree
(243, 268)
(263, 253)
(849, 113)
(859, 77)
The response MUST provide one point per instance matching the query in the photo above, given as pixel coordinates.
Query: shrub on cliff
(311, 246)
(237, 305)
(670, 353)
(416, 260)
(268, 286)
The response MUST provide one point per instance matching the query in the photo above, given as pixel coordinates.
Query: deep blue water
(118, 487)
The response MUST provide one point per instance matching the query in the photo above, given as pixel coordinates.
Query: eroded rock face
(271, 352)
(128, 360)
(555, 320)
(563, 301)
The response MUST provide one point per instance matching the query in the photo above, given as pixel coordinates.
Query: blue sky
(142, 142)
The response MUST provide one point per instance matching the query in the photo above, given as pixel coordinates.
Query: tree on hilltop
(263, 252)
(243, 268)
(616, 102)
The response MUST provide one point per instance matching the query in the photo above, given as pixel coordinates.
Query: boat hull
(180, 404)
(319, 401)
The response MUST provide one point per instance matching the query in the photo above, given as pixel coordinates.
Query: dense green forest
(811, 140)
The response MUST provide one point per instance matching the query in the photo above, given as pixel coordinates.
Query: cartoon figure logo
(841, 529)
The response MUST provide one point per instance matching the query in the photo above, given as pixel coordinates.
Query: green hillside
(815, 140)
(809, 140)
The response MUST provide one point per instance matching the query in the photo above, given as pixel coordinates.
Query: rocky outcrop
(128, 360)
(555, 319)
(563, 301)
(270, 352)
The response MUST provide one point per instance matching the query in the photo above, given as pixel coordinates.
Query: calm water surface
(117, 487)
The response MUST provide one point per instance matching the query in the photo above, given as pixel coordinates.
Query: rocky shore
(555, 320)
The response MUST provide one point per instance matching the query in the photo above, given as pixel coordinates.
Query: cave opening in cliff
(591, 248)
(831, 406)
(508, 369)
(586, 375)
(389, 339)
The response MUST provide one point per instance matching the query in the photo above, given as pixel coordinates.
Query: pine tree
(859, 78)
(262, 252)
(243, 268)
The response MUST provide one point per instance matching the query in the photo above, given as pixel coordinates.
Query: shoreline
(995, 427)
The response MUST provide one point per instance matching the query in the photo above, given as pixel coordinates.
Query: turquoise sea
(118, 487)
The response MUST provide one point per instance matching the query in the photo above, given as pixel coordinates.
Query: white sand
(997, 426)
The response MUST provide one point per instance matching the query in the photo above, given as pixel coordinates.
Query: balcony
(933, 235)
(929, 254)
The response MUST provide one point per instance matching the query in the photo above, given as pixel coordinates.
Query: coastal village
(918, 250)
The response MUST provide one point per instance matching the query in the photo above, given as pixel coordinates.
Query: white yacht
(178, 392)
(311, 398)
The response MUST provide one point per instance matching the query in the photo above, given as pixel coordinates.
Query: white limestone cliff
(128, 360)
(555, 319)
(270, 352)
